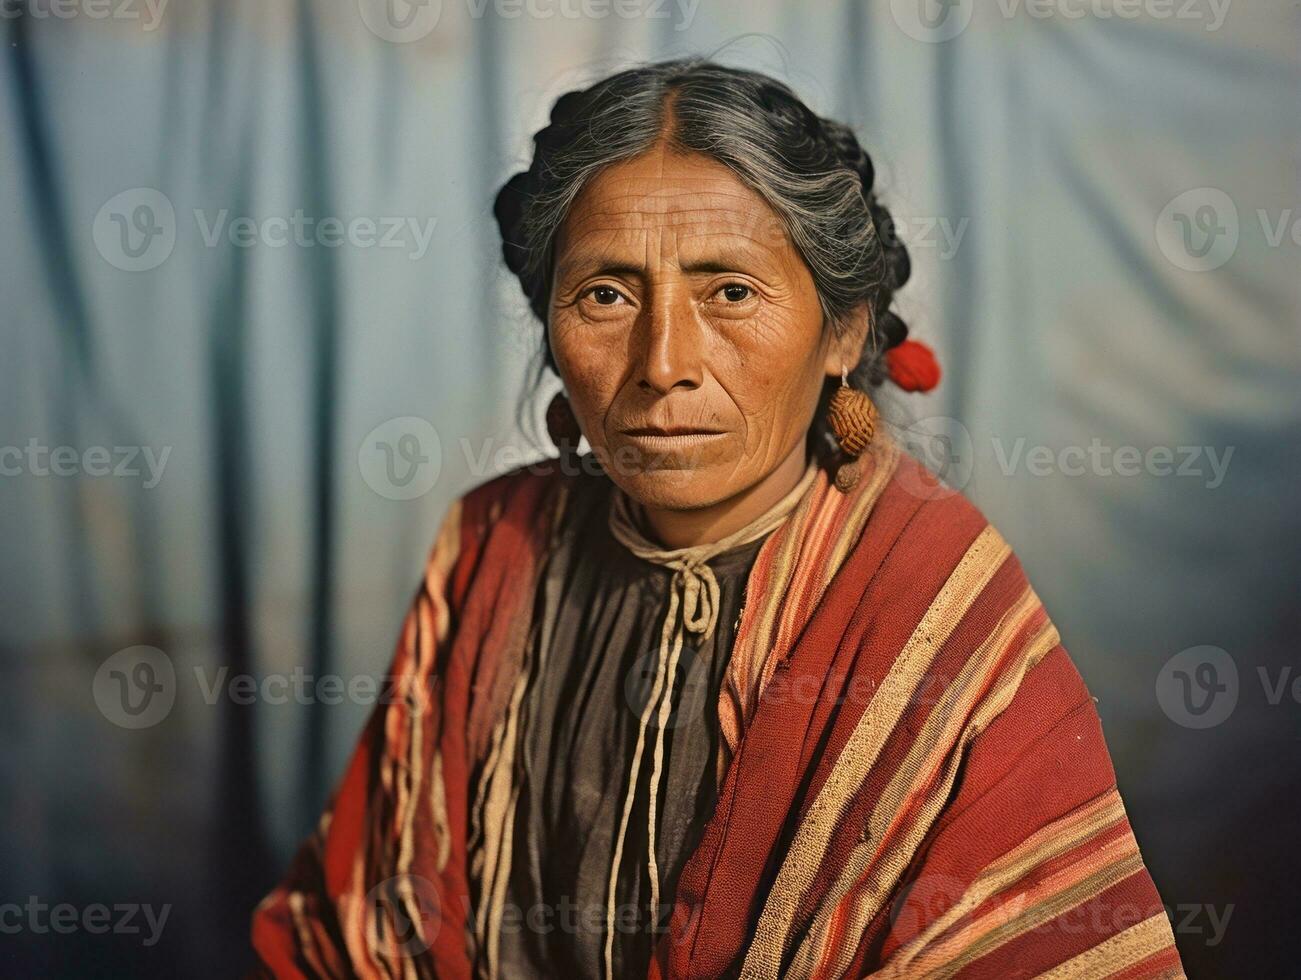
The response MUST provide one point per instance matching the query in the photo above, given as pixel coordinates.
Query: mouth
(655, 431)
(673, 442)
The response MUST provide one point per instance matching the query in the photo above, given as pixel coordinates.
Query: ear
(846, 350)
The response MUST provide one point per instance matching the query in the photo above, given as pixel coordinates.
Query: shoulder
(920, 524)
(511, 494)
(952, 575)
(529, 491)
(975, 580)
(510, 514)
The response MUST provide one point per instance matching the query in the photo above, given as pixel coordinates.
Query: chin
(674, 490)
(674, 481)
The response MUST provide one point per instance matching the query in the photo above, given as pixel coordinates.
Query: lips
(661, 448)
(670, 430)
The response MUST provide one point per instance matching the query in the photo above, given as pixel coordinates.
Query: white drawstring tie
(694, 590)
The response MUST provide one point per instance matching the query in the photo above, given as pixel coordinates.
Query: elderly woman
(743, 691)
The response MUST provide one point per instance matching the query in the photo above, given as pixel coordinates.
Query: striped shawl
(916, 781)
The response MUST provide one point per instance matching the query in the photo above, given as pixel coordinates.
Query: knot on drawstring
(699, 588)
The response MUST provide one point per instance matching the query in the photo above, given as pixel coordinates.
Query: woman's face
(687, 331)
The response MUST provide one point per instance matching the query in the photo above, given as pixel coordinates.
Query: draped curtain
(257, 335)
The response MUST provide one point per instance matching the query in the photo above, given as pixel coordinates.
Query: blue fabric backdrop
(256, 336)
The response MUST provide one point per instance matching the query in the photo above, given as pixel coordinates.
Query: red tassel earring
(912, 366)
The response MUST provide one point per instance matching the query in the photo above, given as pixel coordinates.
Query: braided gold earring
(852, 418)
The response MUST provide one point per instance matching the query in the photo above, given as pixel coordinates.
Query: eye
(735, 292)
(605, 295)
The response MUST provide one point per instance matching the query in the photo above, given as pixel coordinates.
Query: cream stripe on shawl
(1121, 951)
(499, 814)
(492, 817)
(813, 836)
(303, 929)
(912, 796)
(1021, 913)
(300, 915)
(432, 624)
(424, 637)
(780, 599)
(966, 936)
(1044, 845)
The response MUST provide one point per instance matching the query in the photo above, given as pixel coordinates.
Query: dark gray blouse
(580, 722)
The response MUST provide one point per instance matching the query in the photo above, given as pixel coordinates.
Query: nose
(671, 342)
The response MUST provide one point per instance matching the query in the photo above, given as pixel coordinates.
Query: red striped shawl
(918, 783)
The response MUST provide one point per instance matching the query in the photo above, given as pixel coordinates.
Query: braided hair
(812, 171)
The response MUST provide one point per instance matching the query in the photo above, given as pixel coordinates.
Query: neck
(686, 528)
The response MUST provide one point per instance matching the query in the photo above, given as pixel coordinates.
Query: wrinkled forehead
(690, 198)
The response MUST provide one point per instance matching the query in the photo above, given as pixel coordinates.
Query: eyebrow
(603, 265)
(709, 266)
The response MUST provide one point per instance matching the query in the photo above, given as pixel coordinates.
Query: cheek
(590, 368)
(776, 369)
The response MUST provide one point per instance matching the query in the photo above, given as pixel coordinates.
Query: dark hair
(811, 171)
